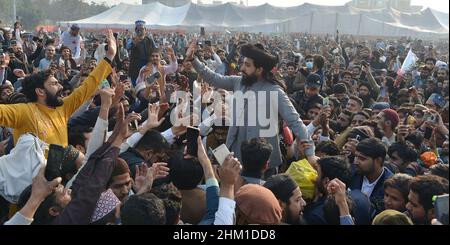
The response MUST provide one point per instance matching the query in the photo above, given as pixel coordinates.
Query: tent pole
(14, 11)
(336, 24)
(359, 24)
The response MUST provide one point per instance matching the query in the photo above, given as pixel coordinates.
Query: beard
(248, 81)
(54, 100)
(293, 219)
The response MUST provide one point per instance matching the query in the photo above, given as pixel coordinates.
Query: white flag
(409, 63)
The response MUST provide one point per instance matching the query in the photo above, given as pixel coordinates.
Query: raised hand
(145, 176)
(106, 96)
(191, 50)
(230, 170)
(118, 94)
(41, 187)
(112, 46)
(153, 120)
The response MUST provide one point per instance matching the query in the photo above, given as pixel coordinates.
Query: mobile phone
(438, 100)
(202, 31)
(428, 133)
(123, 78)
(53, 168)
(208, 43)
(221, 153)
(151, 79)
(191, 137)
(441, 209)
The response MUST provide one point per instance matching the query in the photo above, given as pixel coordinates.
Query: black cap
(313, 80)
(340, 88)
(75, 27)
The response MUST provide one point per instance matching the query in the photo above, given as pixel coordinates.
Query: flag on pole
(408, 66)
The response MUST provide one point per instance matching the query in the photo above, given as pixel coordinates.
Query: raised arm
(90, 85)
(209, 76)
(11, 115)
(290, 115)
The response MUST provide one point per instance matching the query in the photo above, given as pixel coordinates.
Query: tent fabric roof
(269, 18)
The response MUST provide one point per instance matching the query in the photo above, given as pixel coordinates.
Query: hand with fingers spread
(145, 176)
(191, 50)
(171, 54)
(153, 120)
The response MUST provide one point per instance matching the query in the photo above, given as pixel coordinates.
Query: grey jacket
(278, 102)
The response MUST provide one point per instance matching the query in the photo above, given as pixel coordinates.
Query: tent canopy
(267, 18)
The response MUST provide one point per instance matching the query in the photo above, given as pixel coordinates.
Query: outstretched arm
(209, 76)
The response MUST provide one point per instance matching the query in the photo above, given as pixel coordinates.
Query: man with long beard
(289, 195)
(258, 81)
(47, 113)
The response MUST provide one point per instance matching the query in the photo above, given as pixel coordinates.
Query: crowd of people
(94, 129)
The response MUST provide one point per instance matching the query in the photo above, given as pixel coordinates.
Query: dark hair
(364, 114)
(64, 48)
(153, 140)
(255, 154)
(76, 135)
(155, 50)
(348, 113)
(30, 83)
(331, 210)
(428, 186)
(357, 99)
(172, 201)
(185, 174)
(330, 148)
(440, 170)
(291, 64)
(309, 56)
(145, 209)
(374, 126)
(372, 148)
(416, 138)
(319, 61)
(404, 151)
(365, 85)
(17, 98)
(401, 183)
(335, 167)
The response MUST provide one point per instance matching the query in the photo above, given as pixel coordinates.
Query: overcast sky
(441, 5)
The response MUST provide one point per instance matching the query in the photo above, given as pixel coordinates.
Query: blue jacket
(377, 196)
(362, 210)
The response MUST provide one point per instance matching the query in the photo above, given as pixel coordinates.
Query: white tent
(267, 18)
